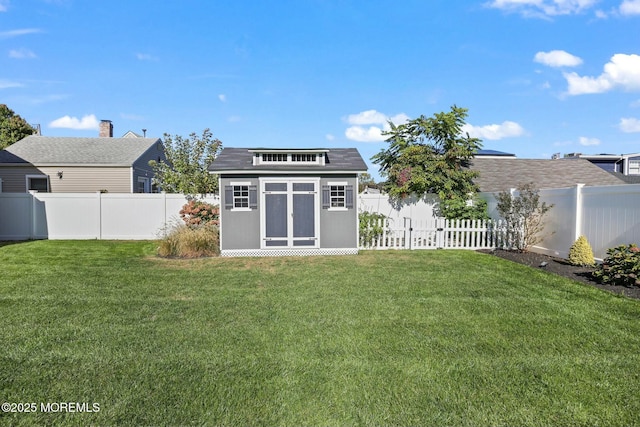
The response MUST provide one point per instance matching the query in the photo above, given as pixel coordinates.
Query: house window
(143, 185)
(634, 167)
(241, 196)
(337, 196)
(38, 183)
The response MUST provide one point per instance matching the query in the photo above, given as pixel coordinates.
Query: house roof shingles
(241, 160)
(506, 173)
(55, 151)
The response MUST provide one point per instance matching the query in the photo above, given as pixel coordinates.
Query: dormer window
(303, 157)
(274, 157)
(299, 157)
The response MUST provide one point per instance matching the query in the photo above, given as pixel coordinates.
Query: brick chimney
(106, 129)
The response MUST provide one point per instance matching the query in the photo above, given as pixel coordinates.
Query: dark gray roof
(54, 151)
(505, 173)
(241, 160)
(629, 179)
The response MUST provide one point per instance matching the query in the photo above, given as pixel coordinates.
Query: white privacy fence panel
(89, 215)
(607, 216)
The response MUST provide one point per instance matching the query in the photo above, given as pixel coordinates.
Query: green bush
(621, 266)
(372, 227)
(581, 253)
(183, 241)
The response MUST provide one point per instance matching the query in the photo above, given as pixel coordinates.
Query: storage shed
(288, 201)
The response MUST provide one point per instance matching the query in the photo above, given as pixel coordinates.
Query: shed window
(634, 167)
(240, 196)
(337, 196)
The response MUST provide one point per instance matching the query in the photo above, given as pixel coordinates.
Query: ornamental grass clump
(199, 236)
(581, 254)
(183, 241)
(621, 266)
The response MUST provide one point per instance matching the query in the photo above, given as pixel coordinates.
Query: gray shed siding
(339, 229)
(241, 229)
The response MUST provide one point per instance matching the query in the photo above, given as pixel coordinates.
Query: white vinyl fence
(89, 215)
(607, 216)
(435, 233)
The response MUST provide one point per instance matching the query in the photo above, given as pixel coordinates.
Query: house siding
(74, 179)
(141, 166)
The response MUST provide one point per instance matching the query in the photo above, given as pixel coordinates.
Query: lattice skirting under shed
(287, 252)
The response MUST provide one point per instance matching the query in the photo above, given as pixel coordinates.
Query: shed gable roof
(54, 151)
(503, 174)
(240, 160)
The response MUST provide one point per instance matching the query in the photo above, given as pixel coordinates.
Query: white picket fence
(436, 233)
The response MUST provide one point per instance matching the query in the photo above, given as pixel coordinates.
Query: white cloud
(601, 14)
(222, 97)
(557, 58)
(21, 54)
(329, 137)
(367, 118)
(630, 7)
(362, 134)
(635, 104)
(4, 5)
(542, 8)
(507, 129)
(379, 123)
(629, 125)
(622, 71)
(588, 141)
(6, 84)
(67, 122)
(16, 33)
(145, 57)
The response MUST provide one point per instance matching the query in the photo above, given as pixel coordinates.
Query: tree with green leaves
(430, 155)
(187, 160)
(12, 127)
(365, 180)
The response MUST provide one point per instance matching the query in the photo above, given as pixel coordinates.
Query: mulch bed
(562, 267)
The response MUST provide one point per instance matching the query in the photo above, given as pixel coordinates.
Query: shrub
(621, 266)
(197, 213)
(581, 253)
(371, 227)
(523, 215)
(183, 241)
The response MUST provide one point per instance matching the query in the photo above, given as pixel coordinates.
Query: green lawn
(382, 338)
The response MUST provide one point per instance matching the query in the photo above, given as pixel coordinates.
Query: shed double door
(290, 214)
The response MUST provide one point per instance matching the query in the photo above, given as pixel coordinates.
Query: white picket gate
(437, 233)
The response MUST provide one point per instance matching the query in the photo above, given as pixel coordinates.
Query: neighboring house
(502, 174)
(80, 165)
(626, 164)
(288, 201)
(494, 154)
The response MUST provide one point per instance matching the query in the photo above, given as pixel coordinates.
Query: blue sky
(538, 76)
